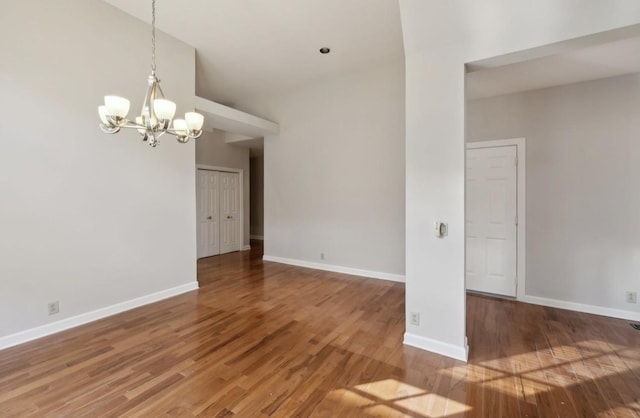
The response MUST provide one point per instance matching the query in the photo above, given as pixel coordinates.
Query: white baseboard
(246, 248)
(580, 307)
(336, 269)
(258, 237)
(74, 321)
(438, 347)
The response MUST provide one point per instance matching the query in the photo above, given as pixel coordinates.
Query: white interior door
(491, 224)
(208, 213)
(229, 212)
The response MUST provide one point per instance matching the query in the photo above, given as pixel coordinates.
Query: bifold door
(218, 212)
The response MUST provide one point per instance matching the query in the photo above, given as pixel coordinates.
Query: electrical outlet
(632, 297)
(54, 308)
(321, 256)
(414, 318)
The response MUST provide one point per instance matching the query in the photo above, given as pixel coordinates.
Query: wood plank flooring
(266, 339)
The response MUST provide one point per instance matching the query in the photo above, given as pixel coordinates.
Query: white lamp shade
(194, 121)
(117, 106)
(102, 111)
(164, 109)
(180, 126)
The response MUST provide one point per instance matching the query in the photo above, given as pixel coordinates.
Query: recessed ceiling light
(324, 50)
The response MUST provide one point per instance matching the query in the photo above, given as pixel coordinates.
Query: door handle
(209, 217)
(229, 217)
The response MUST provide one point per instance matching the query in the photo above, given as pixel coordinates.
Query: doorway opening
(576, 104)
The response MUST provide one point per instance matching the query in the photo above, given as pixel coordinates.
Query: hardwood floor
(266, 339)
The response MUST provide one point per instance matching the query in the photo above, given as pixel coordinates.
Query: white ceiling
(602, 60)
(247, 47)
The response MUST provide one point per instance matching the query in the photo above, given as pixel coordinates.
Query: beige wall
(212, 150)
(257, 196)
(334, 176)
(583, 179)
(88, 219)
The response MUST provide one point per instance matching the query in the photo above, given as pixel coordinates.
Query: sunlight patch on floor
(389, 389)
(534, 373)
(390, 397)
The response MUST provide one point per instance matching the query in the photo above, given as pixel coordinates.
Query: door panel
(229, 212)
(208, 213)
(491, 229)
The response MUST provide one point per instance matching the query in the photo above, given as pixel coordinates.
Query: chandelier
(157, 112)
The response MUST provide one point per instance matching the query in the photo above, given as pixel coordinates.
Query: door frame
(521, 194)
(241, 181)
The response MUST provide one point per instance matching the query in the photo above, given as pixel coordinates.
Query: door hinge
(515, 220)
(515, 160)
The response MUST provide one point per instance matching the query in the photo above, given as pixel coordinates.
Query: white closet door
(491, 223)
(208, 213)
(229, 212)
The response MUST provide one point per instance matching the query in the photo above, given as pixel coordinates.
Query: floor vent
(636, 326)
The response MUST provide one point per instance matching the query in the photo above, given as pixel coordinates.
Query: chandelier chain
(153, 36)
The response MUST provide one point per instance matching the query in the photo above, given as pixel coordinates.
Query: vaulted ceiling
(248, 47)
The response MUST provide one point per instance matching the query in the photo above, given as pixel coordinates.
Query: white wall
(212, 150)
(439, 38)
(583, 229)
(334, 176)
(257, 195)
(87, 218)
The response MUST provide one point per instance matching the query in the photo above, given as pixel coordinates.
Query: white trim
(74, 321)
(233, 120)
(246, 248)
(258, 237)
(580, 307)
(336, 269)
(521, 242)
(241, 180)
(495, 143)
(230, 137)
(218, 168)
(438, 347)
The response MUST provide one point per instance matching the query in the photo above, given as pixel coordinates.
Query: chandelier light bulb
(194, 121)
(102, 111)
(117, 106)
(180, 126)
(164, 109)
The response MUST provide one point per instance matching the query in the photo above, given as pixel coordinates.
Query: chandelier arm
(159, 88)
(174, 132)
(146, 105)
(109, 129)
(133, 125)
(190, 134)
